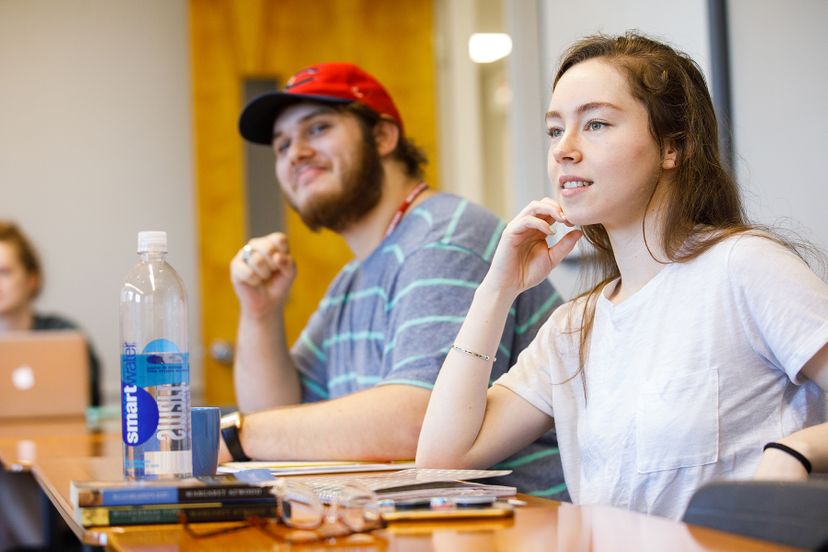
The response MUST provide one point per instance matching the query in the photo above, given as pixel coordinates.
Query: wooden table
(59, 451)
(23, 441)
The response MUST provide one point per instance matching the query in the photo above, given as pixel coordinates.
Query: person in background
(21, 280)
(699, 354)
(24, 508)
(356, 383)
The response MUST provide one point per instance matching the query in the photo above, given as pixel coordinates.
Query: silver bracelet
(473, 354)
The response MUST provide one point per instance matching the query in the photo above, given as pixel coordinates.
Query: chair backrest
(794, 513)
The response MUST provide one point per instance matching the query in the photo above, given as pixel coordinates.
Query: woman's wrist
(495, 293)
(797, 450)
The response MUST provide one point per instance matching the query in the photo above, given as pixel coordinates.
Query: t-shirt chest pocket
(677, 422)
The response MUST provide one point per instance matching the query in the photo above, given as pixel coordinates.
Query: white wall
(96, 144)
(780, 111)
(682, 23)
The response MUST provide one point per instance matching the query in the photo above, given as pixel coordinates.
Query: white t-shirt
(686, 380)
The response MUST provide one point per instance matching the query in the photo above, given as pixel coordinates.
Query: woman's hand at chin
(523, 258)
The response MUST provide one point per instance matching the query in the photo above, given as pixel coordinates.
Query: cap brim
(257, 118)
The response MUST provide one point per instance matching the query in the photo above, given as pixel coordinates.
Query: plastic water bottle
(155, 368)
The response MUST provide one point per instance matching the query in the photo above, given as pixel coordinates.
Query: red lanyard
(421, 187)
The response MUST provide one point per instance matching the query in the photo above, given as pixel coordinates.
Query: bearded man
(356, 383)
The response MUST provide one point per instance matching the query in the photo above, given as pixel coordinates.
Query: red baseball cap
(336, 83)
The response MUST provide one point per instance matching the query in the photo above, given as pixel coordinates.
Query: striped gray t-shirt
(391, 318)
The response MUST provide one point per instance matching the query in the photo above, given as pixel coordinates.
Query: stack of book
(199, 499)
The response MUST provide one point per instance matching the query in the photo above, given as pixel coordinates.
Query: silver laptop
(43, 373)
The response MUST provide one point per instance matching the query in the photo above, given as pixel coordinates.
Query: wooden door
(234, 40)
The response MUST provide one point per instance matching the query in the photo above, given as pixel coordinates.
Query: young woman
(704, 338)
(21, 279)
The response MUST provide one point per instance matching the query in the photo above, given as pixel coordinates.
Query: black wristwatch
(230, 426)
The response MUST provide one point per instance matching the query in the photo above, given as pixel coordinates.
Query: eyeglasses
(304, 518)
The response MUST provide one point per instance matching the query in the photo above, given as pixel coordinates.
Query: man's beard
(360, 192)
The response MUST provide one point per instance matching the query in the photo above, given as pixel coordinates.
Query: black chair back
(794, 513)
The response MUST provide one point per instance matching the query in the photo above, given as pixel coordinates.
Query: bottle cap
(152, 241)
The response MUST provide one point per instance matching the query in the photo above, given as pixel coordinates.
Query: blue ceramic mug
(206, 421)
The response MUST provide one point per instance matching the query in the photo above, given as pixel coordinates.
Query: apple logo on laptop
(23, 377)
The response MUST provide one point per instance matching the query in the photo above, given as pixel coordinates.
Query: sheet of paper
(410, 479)
(280, 468)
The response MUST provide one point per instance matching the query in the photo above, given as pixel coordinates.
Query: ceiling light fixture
(489, 47)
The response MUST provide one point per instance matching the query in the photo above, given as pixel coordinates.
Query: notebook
(43, 373)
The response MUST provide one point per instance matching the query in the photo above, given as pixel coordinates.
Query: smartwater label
(139, 418)
(155, 395)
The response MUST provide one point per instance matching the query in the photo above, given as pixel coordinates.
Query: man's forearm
(264, 373)
(379, 424)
